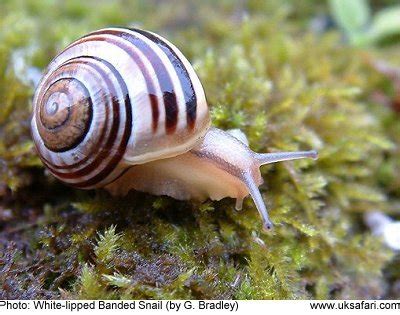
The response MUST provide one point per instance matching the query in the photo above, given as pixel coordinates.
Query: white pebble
(382, 225)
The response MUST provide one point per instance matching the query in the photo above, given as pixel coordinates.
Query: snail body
(123, 109)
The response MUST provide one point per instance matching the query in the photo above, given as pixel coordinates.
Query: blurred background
(292, 75)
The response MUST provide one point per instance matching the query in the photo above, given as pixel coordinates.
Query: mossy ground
(264, 71)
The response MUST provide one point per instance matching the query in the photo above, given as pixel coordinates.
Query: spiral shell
(112, 99)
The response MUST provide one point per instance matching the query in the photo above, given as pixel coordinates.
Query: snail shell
(114, 98)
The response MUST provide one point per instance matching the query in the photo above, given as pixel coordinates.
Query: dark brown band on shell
(183, 75)
(163, 77)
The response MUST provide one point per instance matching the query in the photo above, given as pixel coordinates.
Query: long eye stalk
(259, 202)
(268, 158)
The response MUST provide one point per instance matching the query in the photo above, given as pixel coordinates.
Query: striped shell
(112, 99)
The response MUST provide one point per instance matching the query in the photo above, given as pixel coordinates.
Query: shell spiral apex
(112, 99)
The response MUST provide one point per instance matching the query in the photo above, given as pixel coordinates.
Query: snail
(123, 109)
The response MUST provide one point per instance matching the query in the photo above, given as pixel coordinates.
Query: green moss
(263, 72)
(107, 245)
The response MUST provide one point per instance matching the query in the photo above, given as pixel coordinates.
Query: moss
(264, 72)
